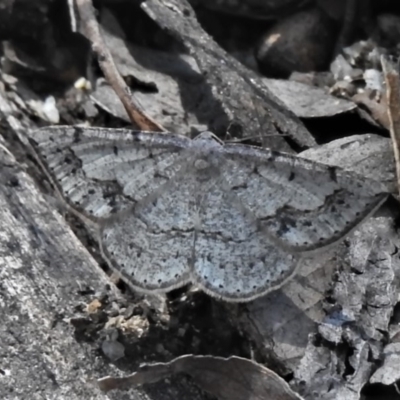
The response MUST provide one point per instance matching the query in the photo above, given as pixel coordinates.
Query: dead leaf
(168, 86)
(393, 109)
(233, 378)
(307, 101)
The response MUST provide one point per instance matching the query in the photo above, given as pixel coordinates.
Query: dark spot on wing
(286, 224)
(332, 173)
(157, 174)
(13, 246)
(136, 137)
(273, 155)
(291, 176)
(77, 135)
(112, 202)
(115, 150)
(241, 186)
(13, 182)
(107, 194)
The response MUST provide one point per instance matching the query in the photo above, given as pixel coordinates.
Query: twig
(393, 109)
(106, 62)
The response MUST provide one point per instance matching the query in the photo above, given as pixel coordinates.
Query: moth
(233, 219)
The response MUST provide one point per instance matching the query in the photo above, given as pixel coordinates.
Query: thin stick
(110, 71)
(393, 109)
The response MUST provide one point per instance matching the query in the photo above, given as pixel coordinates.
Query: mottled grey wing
(100, 171)
(234, 258)
(302, 205)
(151, 244)
(193, 230)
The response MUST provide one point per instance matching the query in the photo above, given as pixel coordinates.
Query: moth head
(207, 138)
(201, 164)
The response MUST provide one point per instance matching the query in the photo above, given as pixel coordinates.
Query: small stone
(113, 350)
(93, 306)
(302, 42)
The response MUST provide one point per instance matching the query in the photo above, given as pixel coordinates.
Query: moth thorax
(200, 164)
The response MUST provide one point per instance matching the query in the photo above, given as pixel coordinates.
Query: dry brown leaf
(393, 109)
